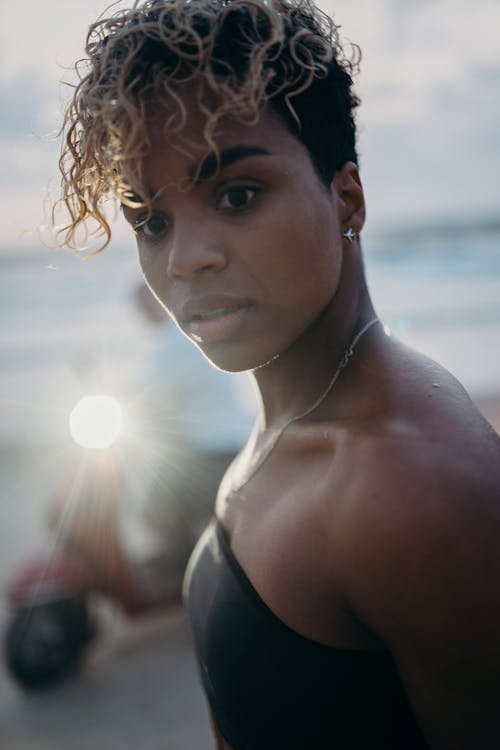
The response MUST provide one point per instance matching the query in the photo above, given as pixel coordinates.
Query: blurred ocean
(69, 326)
(437, 287)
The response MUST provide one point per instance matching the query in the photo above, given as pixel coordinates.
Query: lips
(213, 315)
(213, 318)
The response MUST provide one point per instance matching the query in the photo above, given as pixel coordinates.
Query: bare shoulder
(418, 540)
(422, 448)
(421, 476)
(420, 497)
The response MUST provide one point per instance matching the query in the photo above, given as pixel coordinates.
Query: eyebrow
(208, 166)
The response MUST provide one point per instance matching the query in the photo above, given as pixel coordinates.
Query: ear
(351, 199)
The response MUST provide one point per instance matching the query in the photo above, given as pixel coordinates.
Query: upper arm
(423, 571)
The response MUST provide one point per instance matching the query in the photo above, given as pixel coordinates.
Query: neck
(293, 381)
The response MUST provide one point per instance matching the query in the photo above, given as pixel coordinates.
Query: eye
(237, 197)
(151, 226)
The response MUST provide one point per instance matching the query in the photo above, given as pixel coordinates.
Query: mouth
(213, 315)
(213, 322)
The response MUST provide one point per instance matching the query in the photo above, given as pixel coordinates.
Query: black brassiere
(269, 687)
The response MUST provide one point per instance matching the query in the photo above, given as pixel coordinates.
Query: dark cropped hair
(238, 56)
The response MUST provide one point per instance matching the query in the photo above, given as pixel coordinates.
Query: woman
(346, 594)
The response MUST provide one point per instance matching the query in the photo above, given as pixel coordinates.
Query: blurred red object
(48, 576)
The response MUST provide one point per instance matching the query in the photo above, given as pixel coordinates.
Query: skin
(383, 504)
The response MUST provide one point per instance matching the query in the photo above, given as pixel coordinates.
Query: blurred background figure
(124, 539)
(194, 420)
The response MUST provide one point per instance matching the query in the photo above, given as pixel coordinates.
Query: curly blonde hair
(238, 56)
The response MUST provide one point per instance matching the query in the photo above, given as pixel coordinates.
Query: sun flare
(96, 421)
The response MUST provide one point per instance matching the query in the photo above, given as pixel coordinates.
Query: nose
(194, 249)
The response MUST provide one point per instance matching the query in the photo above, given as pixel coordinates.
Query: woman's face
(247, 257)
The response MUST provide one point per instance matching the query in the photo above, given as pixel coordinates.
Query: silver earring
(350, 234)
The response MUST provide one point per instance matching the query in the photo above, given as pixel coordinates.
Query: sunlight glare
(96, 421)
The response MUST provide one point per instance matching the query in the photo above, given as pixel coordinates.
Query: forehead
(187, 152)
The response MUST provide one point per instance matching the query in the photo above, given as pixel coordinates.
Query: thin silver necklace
(275, 435)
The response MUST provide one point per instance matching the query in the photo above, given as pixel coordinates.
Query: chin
(234, 359)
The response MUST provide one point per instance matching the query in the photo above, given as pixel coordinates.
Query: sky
(428, 124)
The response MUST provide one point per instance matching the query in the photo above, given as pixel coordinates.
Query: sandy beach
(139, 687)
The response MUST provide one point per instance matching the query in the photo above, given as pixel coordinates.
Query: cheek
(308, 259)
(154, 278)
(151, 269)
